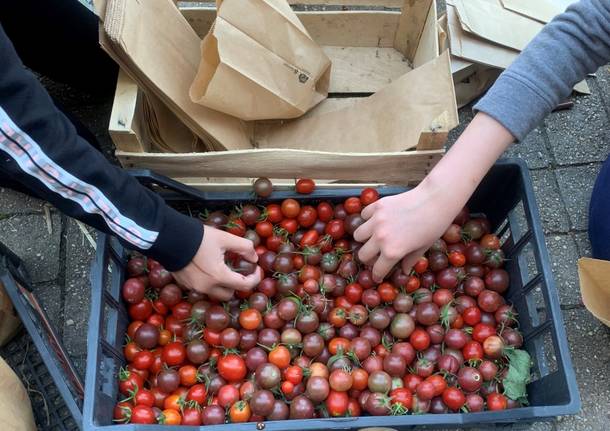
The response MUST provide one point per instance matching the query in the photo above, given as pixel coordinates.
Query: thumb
(242, 246)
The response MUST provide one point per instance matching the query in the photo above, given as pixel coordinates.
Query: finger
(368, 251)
(220, 293)
(365, 231)
(242, 246)
(368, 211)
(382, 267)
(409, 260)
(236, 281)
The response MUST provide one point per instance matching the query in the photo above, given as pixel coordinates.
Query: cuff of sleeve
(515, 105)
(178, 241)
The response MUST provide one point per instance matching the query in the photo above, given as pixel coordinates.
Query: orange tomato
(280, 356)
(336, 343)
(240, 412)
(188, 375)
(360, 379)
(173, 402)
(318, 369)
(171, 417)
(387, 292)
(164, 337)
(250, 319)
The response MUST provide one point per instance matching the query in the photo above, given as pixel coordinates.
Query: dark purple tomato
(473, 286)
(268, 337)
(379, 318)
(402, 325)
(216, 318)
(437, 261)
(448, 364)
(147, 336)
(428, 313)
(497, 280)
(168, 380)
(437, 406)
(307, 322)
(395, 365)
(455, 338)
(377, 404)
(313, 344)
(436, 333)
(197, 352)
(301, 407)
(268, 376)
(474, 403)
(475, 270)
(279, 412)
(213, 415)
(371, 334)
(262, 402)
(470, 379)
(317, 389)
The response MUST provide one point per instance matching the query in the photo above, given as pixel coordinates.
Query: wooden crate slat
(335, 28)
(405, 167)
(364, 69)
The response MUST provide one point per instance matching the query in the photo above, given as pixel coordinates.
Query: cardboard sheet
(594, 278)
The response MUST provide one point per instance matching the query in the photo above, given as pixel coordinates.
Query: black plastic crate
(505, 196)
(37, 356)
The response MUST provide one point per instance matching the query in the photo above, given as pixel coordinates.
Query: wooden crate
(369, 48)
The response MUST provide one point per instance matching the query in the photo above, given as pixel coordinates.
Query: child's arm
(572, 45)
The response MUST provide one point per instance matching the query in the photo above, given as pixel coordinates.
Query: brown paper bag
(258, 62)
(594, 278)
(15, 408)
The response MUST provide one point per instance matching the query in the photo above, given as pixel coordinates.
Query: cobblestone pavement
(564, 155)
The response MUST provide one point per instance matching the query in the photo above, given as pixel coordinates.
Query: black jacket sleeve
(40, 149)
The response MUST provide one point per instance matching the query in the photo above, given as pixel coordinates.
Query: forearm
(459, 172)
(575, 43)
(40, 149)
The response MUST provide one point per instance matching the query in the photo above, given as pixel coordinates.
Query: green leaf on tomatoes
(518, 376)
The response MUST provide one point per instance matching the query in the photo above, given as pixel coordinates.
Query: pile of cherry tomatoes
(318, 337)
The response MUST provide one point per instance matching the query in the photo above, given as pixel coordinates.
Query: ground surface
(564, 155)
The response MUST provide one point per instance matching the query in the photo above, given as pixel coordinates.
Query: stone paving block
(12, 202)
(79, 255)
(603, 82)
(29, 238)
(564, 255)
(589, 342)
(584, 246)
(552, 210)
(532, 150)
(581, 134)
(575, 185)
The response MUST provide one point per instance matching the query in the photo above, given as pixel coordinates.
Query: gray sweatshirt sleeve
(574, 44)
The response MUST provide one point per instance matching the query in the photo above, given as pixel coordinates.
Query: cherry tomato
(335, 228)
(130, 350)
(337, 317)
(236, 226)
(454, 398)
(336, 403)
(143, 360)
(144, 397)
(250, 319)
(368, 196)
(231, 367)
(472, 315)
(287, 387)
(227, 395)
(174, 353)
(305, 186)
(171, 417)
(338, 343)
(143, 415)
(129, 381)
(325, 211)
(197, 393)
(439, 384)
(457, 258)
(421, 265)
(280, 356)
(294, 374)
(309, 238)
(387, 292)
(264, 229)
(240, 412)
(403, 396)
(191, 416)
(290, 225)
(188, 375)
(141, 310)
(413, 283)
(360, 379)
(496, 402)
(274, 213)
(472, 350)
(353, 292)
(419, 339)
(290, 208)
(352, 205)
(173, 402)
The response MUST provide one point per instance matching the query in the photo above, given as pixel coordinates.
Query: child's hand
(208, 273)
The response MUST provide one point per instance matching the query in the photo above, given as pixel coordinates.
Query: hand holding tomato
(208, 272)
(401, 226)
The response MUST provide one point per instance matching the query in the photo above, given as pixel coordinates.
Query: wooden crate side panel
(427, 48)
(403, 168)
(411, 26)
(333, 28)
(378, 3)
(123, 121)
